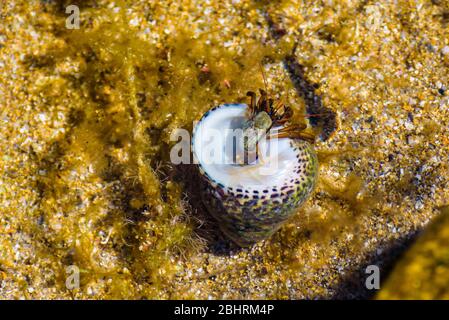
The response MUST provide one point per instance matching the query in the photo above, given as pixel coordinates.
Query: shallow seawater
(87, 114)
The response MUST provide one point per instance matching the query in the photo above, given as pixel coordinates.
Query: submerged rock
(423, 272)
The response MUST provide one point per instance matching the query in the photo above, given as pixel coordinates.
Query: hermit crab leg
(269, 109)
(281, 118)
(293, 132)
(252, 105)
(278, 106)
(262, 103)
(293, 128)
(309, 137)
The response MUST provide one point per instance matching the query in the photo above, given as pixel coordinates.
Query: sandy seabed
(86, 116)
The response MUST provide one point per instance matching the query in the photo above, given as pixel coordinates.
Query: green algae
(126, 96)
(123, 86)
(106, 197)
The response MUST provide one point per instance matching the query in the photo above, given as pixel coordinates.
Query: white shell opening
(214, 150)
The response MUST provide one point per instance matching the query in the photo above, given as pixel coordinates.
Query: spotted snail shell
(251, 201)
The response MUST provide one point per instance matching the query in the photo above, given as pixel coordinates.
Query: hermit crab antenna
(263, 76)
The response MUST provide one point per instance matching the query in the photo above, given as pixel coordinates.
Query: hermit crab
(255, 167)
